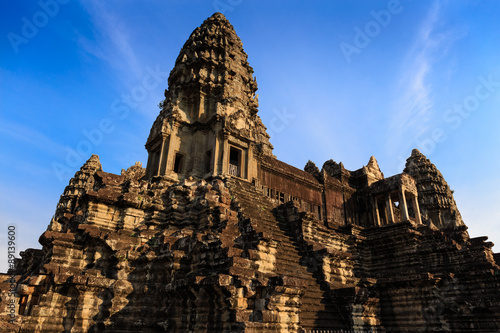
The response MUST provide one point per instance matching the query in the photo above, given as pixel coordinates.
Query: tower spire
(210, 101)
(436, 199)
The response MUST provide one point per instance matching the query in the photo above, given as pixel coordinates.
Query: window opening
(411, 209)
(155, 161)
(208, 161)
(178, 163)
(235, 162)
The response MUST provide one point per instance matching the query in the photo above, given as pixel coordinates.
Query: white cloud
(415, 102)
(419, 85)
(111, 41)
(30, 136)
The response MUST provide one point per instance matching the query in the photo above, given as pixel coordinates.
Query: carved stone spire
(212, 62)
(435, 198)
(372, 170)
(312, 169)
(81, 183)
(211, 89)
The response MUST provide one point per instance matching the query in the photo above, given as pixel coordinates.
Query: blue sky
(339, 80)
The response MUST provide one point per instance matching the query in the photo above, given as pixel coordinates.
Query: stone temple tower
(208, 123)
(217, 235)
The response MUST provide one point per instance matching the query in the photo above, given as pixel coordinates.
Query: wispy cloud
(111, 42)
(414, 110)
(21, 133)
(416, 101)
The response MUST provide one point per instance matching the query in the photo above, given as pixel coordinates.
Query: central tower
(208, 123)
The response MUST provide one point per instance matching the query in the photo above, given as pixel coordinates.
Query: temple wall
(217, 256)
(329, 200)
(429, 282)
(334, 199)
(282, 183)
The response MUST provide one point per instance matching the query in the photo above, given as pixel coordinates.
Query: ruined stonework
(217, 235)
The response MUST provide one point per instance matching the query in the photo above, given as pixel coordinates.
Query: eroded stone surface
(238, 241)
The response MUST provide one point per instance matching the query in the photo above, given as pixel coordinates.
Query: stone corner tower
(436, 199)
(208, 123)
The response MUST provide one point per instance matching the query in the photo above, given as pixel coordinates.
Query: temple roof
(212, 80)
(213, 60)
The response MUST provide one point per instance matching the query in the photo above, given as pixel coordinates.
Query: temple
(216, 234)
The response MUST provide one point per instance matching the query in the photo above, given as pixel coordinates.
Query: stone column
(251, 170)
(244, 164)
(225, 154)
(149, 165)
(215, 156)
(403, 207)
(416, 208)
(169, 162)
(388, 207)
(376, 216)
(164, 153)
(27, 305)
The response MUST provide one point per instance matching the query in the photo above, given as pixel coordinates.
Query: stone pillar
(376, 216)
(164, 153)
(225, 154)
(215, 156)
(388, 207)
(251, 170)
(416, 208)
(403, 207)
(386, 216)
(27, 307)
(244, 164)
(169, 162)
(149, 165)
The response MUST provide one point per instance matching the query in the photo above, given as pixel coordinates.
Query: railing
(234, 170)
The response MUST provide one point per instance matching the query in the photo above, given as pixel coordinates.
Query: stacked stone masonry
(217, 235)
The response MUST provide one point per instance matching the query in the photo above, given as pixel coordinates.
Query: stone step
(314, 313)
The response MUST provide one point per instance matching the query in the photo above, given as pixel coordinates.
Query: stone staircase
(316, 311)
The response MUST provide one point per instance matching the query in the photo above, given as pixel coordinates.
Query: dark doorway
(208, 161)
(178, 163)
